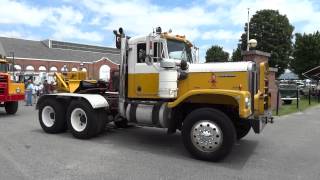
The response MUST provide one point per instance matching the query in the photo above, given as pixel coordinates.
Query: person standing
(40, 91)
(35, 92)
(29, 92)
(46, 87)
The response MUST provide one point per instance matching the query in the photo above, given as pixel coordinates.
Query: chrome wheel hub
(206, 136)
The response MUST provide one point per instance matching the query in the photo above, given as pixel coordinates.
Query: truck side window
(141, 49)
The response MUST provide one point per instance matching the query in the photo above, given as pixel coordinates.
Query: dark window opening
(141, 51)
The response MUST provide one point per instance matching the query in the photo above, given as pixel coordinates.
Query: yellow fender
(239, 96)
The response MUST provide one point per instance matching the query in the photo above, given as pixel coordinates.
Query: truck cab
(145, 65)
(160, 68)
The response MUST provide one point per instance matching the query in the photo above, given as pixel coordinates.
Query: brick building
(42, 58)
(258, 57)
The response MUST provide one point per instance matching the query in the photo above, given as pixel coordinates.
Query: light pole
(81, 66)
(252, 42)
(13, 64)
(248, 29)
(65, 69)
(12, 57)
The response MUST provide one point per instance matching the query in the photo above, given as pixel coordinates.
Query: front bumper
(259, 123)
(287, 98)
(14, 97)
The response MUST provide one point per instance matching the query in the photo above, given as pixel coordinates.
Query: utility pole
(13, 64)
(248, 30)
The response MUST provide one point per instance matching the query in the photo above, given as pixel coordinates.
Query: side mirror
(148, 60)
(184, 65)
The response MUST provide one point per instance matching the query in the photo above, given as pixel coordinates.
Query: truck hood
(222, 67)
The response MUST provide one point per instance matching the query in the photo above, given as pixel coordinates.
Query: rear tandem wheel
(83, 121)
(52, 116)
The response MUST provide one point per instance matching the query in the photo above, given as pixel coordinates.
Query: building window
(29, 68)
(42, 68)
(53, 69)
(74, 69)
(17, 67)
(104, 72)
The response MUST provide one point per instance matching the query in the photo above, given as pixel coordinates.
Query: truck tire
(121, 123)
(11, 107)
(243, 128)
(103, 116)
(83, 121)
(52, 116)
(208, 134)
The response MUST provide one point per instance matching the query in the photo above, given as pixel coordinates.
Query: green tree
(236, 55)
(273, 32)
(306, 53)
(216, 54)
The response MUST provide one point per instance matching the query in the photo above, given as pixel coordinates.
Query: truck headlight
(247, 101)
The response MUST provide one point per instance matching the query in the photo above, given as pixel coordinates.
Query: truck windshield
(3, 67)
(179, 50)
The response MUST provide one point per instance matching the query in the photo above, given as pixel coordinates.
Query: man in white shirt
(34, 93)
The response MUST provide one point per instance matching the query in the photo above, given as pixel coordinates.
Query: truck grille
(3, 78)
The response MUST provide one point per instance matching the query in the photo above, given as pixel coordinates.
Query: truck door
(144, 80)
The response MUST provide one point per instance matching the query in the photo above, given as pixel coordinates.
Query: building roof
(56, 50)
(255, 52)
(313, 73)
(288, 75)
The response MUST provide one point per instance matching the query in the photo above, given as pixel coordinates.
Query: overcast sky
(204, 22)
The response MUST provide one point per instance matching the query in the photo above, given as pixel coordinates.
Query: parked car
(288, 92)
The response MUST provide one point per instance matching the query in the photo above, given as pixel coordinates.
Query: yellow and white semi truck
(212, 104)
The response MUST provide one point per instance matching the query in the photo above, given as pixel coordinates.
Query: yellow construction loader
(78, 82)
(10, 92)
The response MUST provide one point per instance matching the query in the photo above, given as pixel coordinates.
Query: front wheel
(11, 107)
(208, 134)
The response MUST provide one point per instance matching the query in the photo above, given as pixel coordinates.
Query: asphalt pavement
(287, 149)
